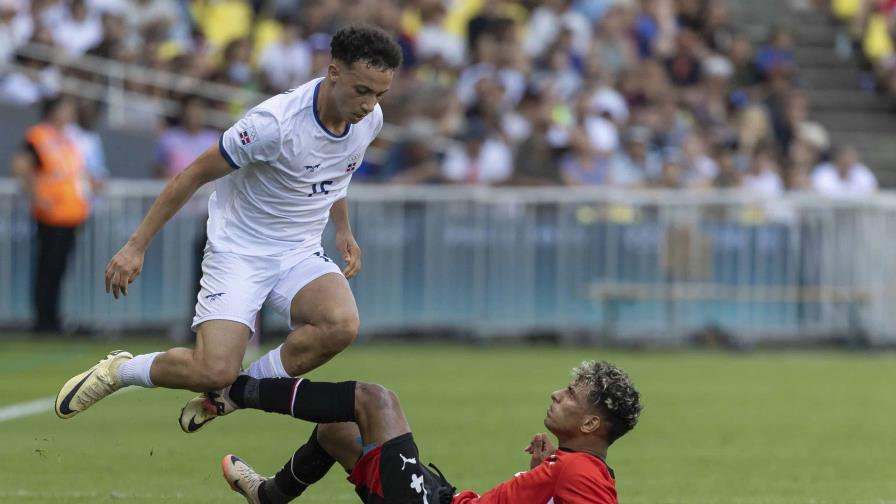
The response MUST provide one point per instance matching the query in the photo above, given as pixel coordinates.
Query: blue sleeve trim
(225, 155)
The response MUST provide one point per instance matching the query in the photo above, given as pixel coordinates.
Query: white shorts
(234, 286)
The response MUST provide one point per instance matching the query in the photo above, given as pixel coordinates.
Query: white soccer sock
(136, 371)
(269, 365)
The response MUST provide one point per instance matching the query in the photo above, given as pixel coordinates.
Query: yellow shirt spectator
(877, 42)
(845, 9)
(222, 21)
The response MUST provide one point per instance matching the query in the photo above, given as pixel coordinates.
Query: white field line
(37, 406)
(45, 404)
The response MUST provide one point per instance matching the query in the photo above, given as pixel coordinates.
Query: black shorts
(392, 474)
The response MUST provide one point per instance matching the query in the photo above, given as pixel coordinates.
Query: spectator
(671, 175)
(80, 31)
(413, 161)
(536, 162)
(16, 27)
(638, 162)
(546, 22)
(180, 144)
(846, 176)
(51, 169)
(613, 45)
(764, 178)
(729, 176)
(684, 65)
(699, 169)
(83, 133)
(32, 82)
(582, 165)
(481, 159)
(775, 59)
(286, 63)
(740, 53)
(435, 42)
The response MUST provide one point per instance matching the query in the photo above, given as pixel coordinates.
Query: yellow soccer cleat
(242, 478)
(85, 389)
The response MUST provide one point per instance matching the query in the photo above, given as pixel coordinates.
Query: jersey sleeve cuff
(226, 156)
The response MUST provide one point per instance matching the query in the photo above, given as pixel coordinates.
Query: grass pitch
(770, 428)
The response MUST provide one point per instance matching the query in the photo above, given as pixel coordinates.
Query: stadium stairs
(833, 78)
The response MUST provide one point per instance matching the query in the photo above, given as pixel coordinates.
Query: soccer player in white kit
(280, 172)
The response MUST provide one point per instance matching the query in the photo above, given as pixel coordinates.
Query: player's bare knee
(371, 397)
(215, 377)
(341, 330)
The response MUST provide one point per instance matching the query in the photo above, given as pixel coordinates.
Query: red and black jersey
(567, 477)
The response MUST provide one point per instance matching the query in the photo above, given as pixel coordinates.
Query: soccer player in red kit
(363, 427)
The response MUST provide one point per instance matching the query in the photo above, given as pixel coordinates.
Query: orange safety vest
(60, 195)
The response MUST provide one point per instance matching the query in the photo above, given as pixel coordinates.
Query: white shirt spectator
(545, 24)
(513, 82)
(766, 184)
(16, 27)
(602, 134)
(436, 41)
(142, 13)
(493, 164)
(77, 36)
(91, 146)
(52, 14)
(23, 89)
(859, 181)
(286, 65)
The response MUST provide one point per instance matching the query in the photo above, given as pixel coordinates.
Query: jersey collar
(348, 125)
(598, 457)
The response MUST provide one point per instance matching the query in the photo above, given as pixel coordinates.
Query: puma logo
(406, 461)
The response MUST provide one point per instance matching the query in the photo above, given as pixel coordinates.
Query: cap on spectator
(319, 42)
(609, 101)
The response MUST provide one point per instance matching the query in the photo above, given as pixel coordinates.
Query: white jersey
(288, 172)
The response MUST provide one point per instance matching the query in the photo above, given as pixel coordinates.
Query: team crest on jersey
(353, 162)
(248, 136)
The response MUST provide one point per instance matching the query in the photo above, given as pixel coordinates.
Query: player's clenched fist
(123, 269)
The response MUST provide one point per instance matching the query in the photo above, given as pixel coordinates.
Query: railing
(104, 80)
(622, 266)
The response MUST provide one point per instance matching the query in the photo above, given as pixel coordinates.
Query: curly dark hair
(614, 395)
(368, 44)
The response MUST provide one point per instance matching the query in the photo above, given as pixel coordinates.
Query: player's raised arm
(126, 265)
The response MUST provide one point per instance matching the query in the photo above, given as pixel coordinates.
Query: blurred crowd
(619, 93)
(871, 25)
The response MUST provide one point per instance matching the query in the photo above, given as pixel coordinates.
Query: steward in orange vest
(51, 168)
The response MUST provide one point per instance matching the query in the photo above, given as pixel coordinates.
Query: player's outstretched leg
(389, 462)
(215, 362)
(85, 389)
(242, 478)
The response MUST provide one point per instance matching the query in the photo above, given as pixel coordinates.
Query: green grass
(718, 428)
